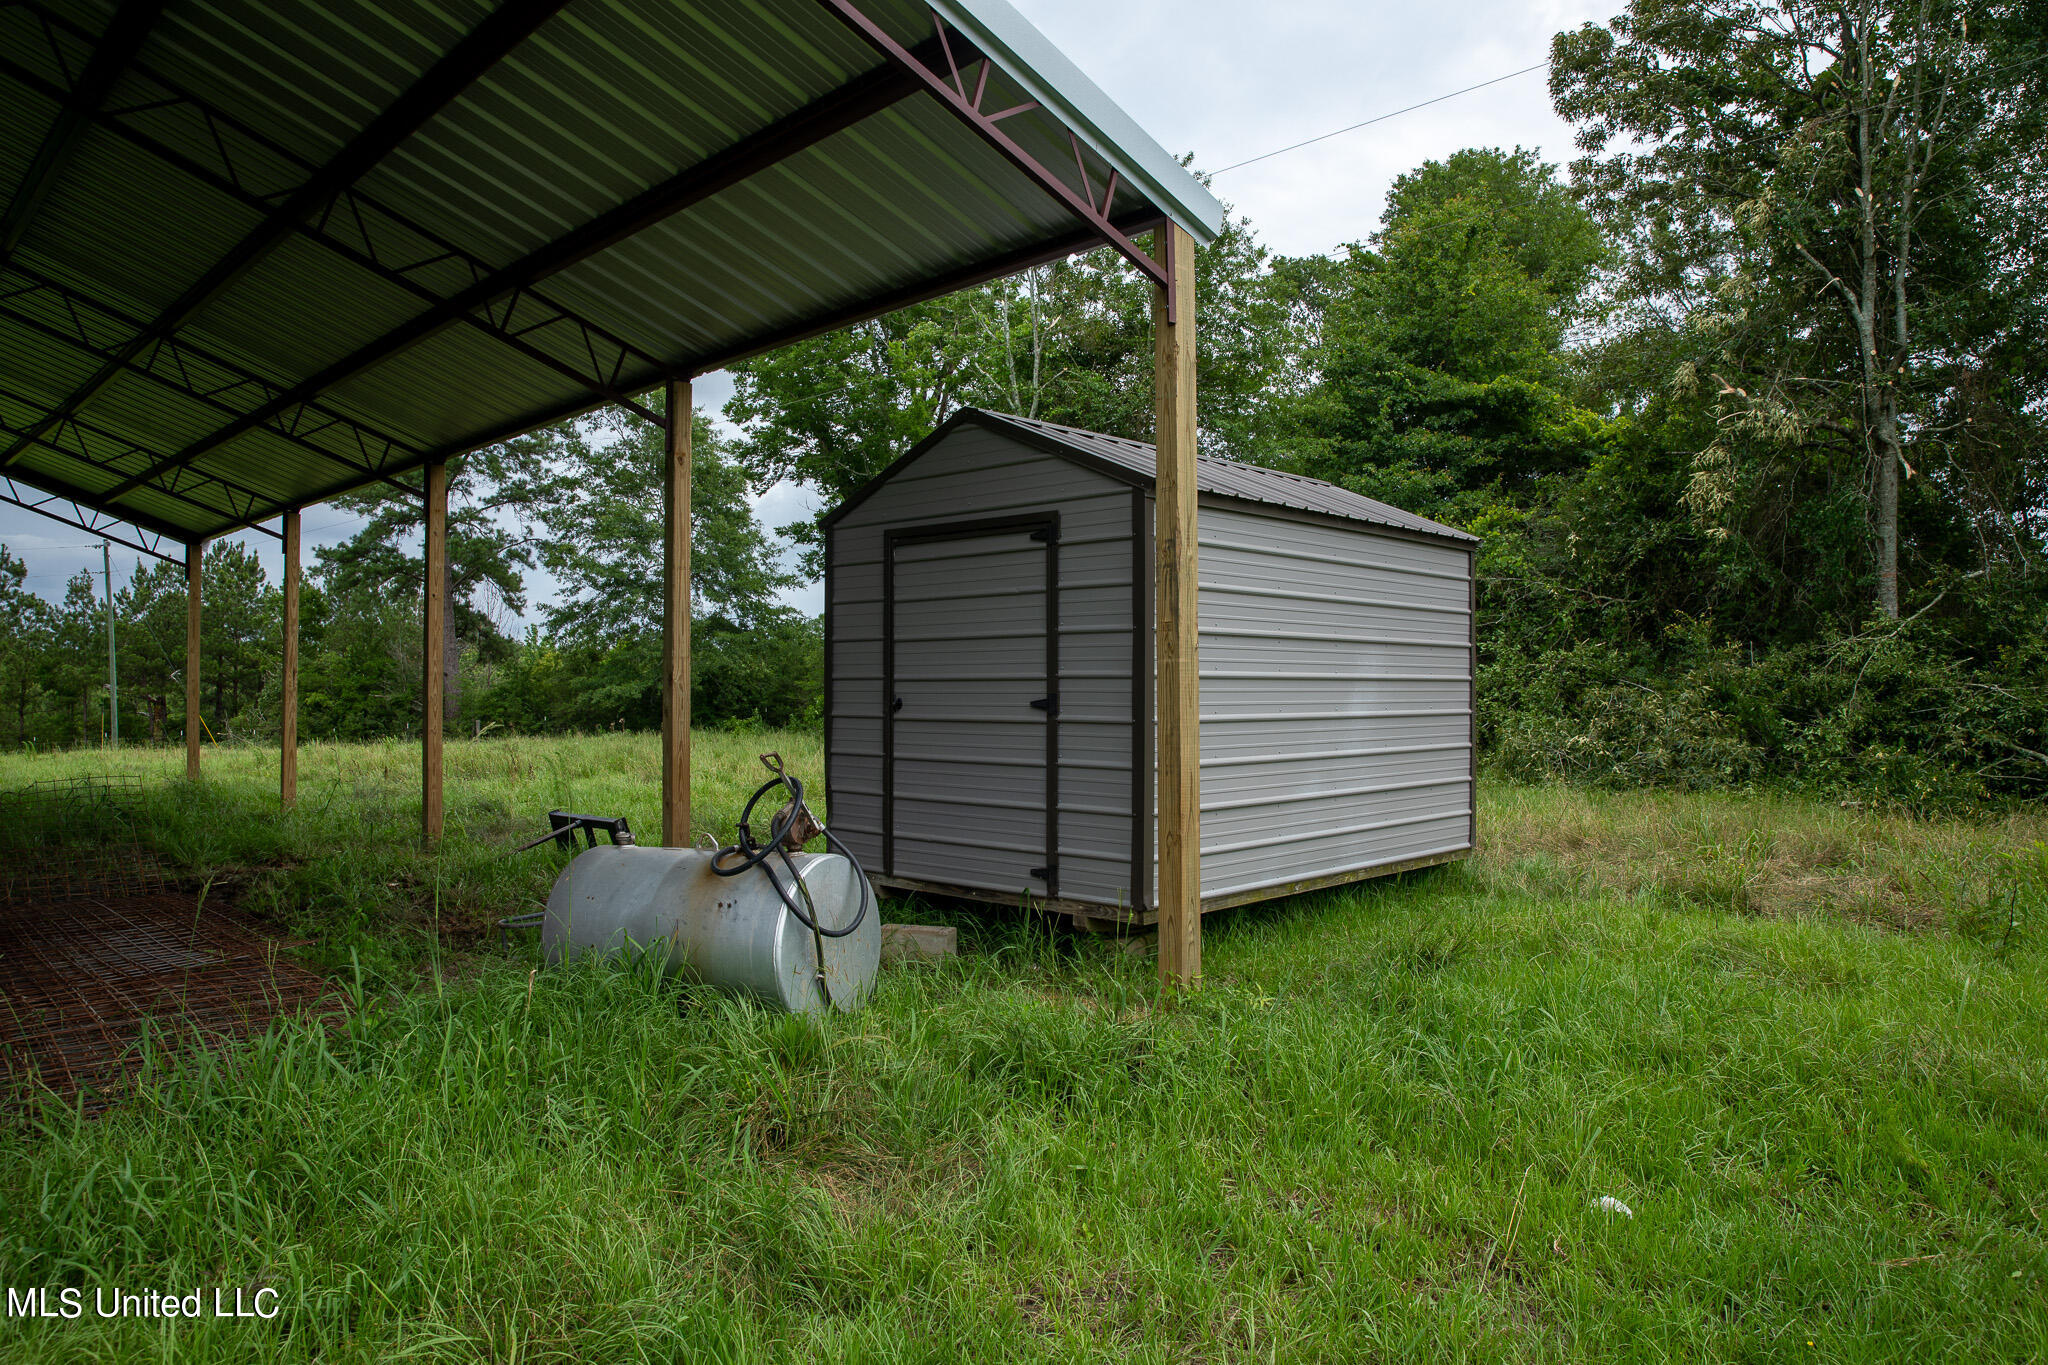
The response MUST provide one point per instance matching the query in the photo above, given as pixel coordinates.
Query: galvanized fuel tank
(733, 932)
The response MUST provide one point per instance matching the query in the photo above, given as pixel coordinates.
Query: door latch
(1050, 705)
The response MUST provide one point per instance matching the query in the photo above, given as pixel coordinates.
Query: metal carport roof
(257, 254)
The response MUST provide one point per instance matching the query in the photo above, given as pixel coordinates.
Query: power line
(1382, 118)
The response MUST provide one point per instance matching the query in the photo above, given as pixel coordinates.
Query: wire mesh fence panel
(103, 957)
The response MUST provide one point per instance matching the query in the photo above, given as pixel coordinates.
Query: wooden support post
(288, 686)
(432, 646)
(194, 554)
(675, 616)
(1179, 741)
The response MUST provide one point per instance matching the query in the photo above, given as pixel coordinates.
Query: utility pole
(113, 675)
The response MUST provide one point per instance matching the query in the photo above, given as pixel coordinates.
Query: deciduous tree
(1809, 185)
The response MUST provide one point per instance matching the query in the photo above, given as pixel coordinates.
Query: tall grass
(1377, 1133)
(345, 864)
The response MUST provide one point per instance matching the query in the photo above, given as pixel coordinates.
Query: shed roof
(1136, 462)
(256, 253)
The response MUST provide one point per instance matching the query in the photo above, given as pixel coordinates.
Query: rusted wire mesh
(75, 837)
(98, 949)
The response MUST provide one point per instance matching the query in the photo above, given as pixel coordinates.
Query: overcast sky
(1202, 78)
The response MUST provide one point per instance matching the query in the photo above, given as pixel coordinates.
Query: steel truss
(948, 84)
(109, 452)
(498, 295)
(478, 50)
(35, 301)
(180, 129)
(116, 48)
(68, 509)
(162, 118)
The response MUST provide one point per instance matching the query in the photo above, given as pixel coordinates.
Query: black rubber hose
(752, 855)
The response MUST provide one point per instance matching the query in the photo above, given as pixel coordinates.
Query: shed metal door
(971, 668)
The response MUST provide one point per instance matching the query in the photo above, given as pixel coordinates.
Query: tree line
(1747, 403)
(582, 500)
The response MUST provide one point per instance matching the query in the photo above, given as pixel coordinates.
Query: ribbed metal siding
(976, 474)
(968, 615)
(1335, 699)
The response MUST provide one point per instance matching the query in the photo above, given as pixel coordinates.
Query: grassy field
(1806, 1045)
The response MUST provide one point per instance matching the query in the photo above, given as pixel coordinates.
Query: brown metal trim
(1472, 692)
(1141, 701)
(1052, 712)
(1363, 874)
(978, 526)
(1047, 523)
(1378, 528)
(831, 673)
(888, 701)
(1146, 917)
(990, 421)
(1052, 445)
(1057, 905)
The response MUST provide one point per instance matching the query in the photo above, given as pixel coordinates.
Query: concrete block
(918, 942)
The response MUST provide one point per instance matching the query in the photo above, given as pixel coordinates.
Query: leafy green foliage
(1439, 358)
(26, 629)
(1812, 198)
(602, 518)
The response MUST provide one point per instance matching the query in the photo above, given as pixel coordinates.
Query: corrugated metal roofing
(1227, 478)
(229, 107)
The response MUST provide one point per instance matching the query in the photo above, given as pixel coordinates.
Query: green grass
(1805, 1044)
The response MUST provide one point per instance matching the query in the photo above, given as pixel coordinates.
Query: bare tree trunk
(1880, 399)
(1884, 501)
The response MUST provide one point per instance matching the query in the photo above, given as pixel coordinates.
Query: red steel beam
(953, 94)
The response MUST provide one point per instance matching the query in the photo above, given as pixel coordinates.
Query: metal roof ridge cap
(1074, 449)
(1031, 59)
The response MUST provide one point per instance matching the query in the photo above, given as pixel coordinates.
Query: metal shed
(990, 689)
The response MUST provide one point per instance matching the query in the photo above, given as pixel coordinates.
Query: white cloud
(1201, 76)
